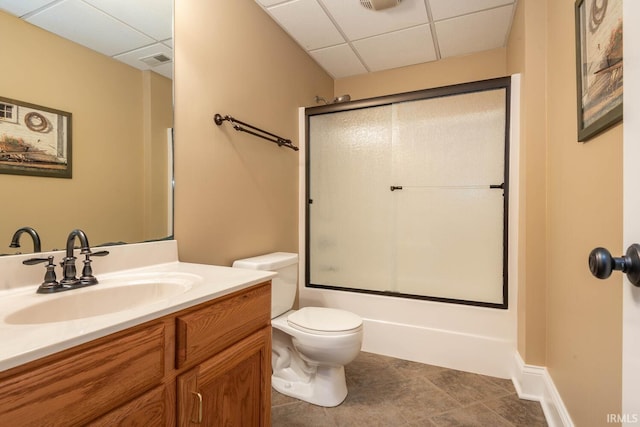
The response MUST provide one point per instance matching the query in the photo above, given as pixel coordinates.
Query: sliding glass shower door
(349, 240)
(408, 198)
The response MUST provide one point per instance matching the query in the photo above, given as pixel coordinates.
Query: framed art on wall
(598, 65)
(34, 140)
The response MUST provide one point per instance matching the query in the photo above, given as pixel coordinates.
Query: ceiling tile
(307, 23)
(443, 9)
(339, 61)
(397, 49)
(394, 37)
(152, 17)
(89, 28)
(21, 7)
(475, 32)
(358, 22)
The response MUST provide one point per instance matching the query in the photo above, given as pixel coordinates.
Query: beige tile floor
(384, 391)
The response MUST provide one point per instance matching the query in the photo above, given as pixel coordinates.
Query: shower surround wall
(470, 338)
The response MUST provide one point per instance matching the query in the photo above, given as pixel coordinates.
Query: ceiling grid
(342, 36)
(139, 31)
(414, 31)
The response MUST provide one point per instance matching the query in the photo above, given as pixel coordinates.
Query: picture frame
(34, 140)
(598, 65)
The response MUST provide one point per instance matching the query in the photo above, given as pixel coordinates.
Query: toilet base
(326, 387)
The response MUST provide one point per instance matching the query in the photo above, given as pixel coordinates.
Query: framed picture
(34, 140)
(598, 65)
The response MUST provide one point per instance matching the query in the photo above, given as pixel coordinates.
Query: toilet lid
(323, 319)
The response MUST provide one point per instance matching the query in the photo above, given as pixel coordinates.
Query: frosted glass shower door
(350, 213)
(448, 152)
(407, 196)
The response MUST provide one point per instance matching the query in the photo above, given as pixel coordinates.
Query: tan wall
(584, 314)
(237, 195)
(158, 118)
(468, 68)
(568, 320)
(526, 54)
(105, 97)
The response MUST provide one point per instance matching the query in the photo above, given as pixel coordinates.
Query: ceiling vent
(379, 4)
(155, 60)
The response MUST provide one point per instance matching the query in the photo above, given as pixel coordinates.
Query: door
(631, 209)
(448, 155)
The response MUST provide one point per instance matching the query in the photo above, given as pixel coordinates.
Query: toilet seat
(324, 321)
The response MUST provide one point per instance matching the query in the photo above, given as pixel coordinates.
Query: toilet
(310, 346)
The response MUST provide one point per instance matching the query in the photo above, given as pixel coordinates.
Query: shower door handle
(601, 263)
(396, 187)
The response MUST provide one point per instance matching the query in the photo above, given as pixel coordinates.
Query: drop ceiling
(138, 33)
(347, 39)
(344, 37)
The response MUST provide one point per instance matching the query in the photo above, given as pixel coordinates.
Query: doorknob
(601, 263)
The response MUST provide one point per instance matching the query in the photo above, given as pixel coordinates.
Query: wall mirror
(116, 83)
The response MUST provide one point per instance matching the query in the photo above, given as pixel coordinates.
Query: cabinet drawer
(82, 385)
(206, 331)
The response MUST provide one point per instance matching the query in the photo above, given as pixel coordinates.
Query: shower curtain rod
(238, 125)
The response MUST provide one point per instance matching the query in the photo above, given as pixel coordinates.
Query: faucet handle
(87, 277)
(50, 284)
(34, 261)
(99, 253)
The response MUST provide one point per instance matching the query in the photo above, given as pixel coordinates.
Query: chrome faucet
(15, 240)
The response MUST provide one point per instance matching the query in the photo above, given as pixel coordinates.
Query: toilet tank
(284, 285)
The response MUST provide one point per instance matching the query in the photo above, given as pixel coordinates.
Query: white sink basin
(100, 299)
(138, 283)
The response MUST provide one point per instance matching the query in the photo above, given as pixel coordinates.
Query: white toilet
(310, 346)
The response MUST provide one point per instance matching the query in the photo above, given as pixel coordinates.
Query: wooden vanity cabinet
(75, 386)
(213, 359)
(229, 384)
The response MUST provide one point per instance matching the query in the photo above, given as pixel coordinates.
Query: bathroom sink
(98, 300)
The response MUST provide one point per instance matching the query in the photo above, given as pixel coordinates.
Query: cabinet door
(233, 388)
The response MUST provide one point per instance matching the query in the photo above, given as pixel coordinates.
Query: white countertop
(22, 343)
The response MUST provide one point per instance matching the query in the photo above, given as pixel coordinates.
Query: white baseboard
(535, 383)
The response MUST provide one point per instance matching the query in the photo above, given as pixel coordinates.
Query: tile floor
(384, 391)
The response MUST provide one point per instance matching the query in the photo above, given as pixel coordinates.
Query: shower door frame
(458, 89)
